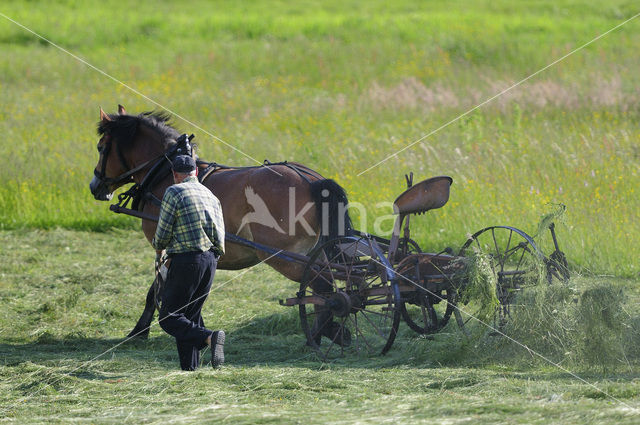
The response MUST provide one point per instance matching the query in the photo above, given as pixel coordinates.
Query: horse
(296, 200)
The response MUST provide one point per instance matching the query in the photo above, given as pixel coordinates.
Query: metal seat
(424, 196)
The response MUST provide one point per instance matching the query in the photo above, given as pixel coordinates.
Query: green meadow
(339, 86)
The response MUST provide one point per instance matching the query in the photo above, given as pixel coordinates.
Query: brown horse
(132, 147)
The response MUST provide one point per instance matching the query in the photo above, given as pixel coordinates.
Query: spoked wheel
(427, 313)
(348, 299)
(514, 258)
(406, 246)
(426, 305)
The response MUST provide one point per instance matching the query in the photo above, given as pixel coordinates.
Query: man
(191, 229)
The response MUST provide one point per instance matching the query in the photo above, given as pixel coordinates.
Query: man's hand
(159, 255)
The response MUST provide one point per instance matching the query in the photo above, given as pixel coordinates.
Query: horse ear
(103, 116)
(121, 110)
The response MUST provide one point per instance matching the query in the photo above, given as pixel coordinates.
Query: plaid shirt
(190, 219)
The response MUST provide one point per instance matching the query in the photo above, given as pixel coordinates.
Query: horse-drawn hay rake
(356, 289)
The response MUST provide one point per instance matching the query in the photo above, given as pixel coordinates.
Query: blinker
(184, 145)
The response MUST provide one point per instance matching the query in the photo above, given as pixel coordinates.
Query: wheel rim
(427, 306)
(406, 247)
(427, 313)
(355, 309)
(514, 258)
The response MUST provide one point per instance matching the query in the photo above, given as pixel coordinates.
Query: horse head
(126, 143)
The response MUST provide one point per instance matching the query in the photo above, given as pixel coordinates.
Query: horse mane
(123, 128)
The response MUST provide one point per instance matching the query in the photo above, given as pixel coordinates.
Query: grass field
(338, 87)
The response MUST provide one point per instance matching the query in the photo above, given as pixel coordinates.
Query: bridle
(182, 147)
(109, 181)
(162, 161)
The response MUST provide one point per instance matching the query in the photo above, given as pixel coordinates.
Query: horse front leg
(141, 330)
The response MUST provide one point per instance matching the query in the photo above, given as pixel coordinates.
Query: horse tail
(331, 204)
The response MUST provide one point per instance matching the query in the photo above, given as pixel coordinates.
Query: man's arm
(167, 217)
(215, 229)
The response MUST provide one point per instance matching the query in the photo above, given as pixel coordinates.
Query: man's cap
(183, 164)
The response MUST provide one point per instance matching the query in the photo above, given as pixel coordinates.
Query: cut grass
(69, 297)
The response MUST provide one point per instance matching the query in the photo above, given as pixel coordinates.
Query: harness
(212, 167)
(140, 193)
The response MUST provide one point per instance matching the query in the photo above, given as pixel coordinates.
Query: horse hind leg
(141, 329)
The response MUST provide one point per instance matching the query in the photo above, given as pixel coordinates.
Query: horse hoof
(139, 334)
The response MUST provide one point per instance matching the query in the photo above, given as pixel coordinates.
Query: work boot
(217, 348)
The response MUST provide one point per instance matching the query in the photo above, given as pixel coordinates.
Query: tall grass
(340, 87)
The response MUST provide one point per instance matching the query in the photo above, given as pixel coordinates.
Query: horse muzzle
(100, 190)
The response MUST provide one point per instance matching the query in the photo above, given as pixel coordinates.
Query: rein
(228, 237)
(141, 191)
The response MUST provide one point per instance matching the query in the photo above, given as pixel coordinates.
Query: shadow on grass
(63, 364)
(272, 340)
(275, 339)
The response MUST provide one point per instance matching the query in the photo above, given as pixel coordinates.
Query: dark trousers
(187, 286)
